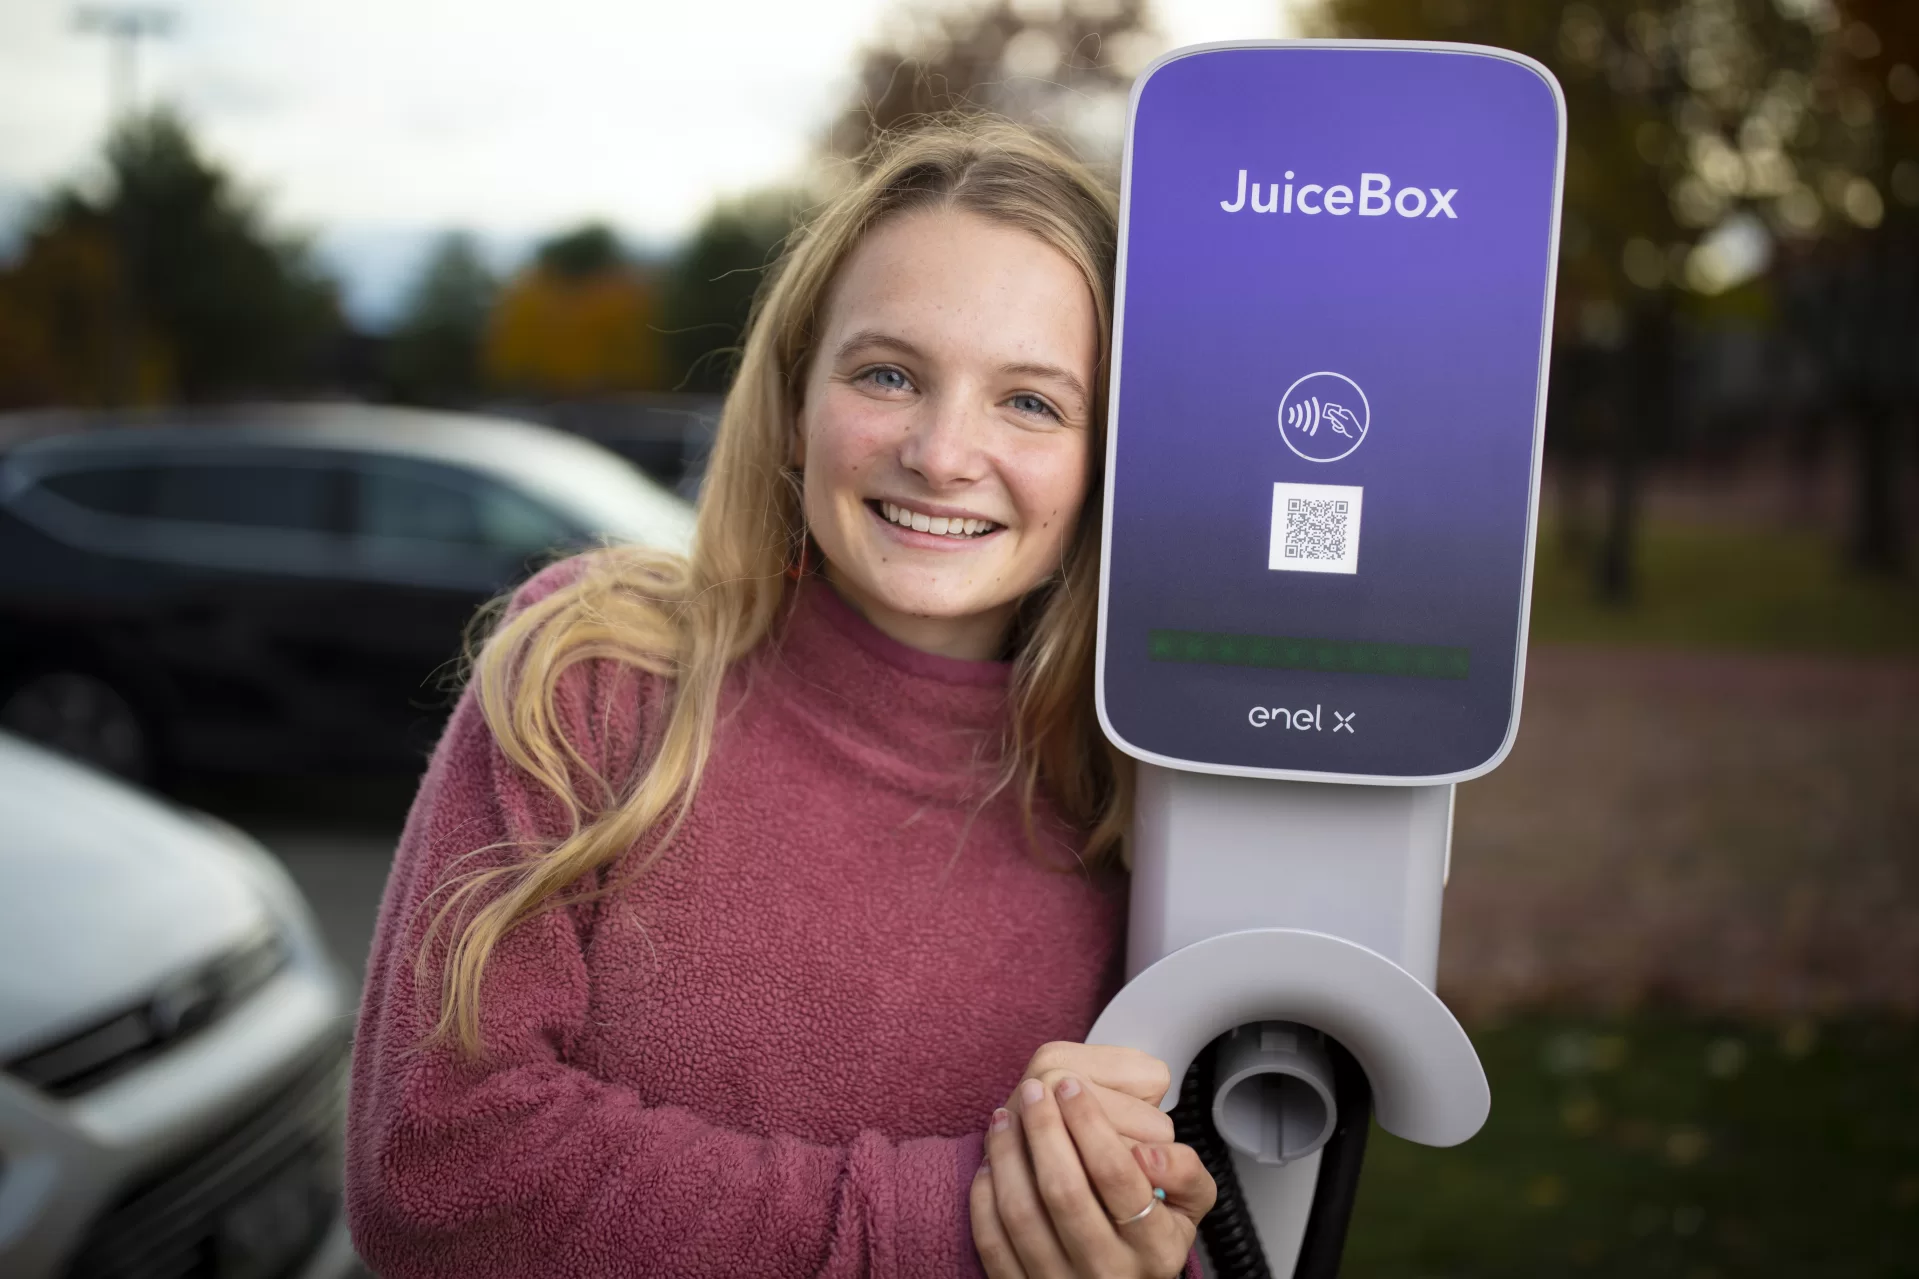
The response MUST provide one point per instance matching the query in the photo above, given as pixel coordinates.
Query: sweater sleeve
(526, 1165)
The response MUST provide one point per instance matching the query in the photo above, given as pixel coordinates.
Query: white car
(173, 1042)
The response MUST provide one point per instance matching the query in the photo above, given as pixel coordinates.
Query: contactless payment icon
(1324, 416)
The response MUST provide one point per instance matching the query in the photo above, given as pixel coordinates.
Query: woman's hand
(1127, 1083)
(1061, 1193)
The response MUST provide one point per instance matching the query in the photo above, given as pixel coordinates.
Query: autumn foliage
(580, 320)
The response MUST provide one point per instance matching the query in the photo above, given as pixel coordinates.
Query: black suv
(272, 588)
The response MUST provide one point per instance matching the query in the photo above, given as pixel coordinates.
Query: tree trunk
(1877, 542)
(1613, 569)
(1643, 409)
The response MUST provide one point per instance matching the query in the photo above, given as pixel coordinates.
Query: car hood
(104, 891)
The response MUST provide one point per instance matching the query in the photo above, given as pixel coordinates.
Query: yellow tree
(580, 320)
(63, 325)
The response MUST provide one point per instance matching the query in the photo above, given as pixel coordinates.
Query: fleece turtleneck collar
(930, 722)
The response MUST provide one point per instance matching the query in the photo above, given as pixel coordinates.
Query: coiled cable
(1232, 1243)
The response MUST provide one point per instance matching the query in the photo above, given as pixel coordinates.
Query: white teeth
(939, 525)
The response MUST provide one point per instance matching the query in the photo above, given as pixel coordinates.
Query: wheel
(83, 716)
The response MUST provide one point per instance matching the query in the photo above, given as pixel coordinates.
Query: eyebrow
(874, 337)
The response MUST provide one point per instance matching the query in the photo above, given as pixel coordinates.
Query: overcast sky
(376, 122)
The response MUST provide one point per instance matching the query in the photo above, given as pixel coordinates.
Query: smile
(960, 527)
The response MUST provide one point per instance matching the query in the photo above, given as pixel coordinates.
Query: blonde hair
(689, 620)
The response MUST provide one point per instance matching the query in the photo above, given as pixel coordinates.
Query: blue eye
(1033, 404)
(890, 378)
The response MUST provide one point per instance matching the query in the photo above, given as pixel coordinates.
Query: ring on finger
(1158, 1194)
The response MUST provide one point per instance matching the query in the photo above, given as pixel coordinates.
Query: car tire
(84, 716)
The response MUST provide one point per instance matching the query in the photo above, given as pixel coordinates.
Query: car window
(467, 510)
(514, 523)
(246, 495)
(110, 490)
(415, 506)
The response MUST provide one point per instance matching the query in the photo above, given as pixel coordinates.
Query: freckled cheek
(1048, 487)
(847, 445)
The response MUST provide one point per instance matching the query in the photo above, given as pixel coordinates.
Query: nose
(944, 446)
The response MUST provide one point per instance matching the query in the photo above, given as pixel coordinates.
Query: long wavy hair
(690, 619)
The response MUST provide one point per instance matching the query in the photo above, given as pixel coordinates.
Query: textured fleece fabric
(774, 1052)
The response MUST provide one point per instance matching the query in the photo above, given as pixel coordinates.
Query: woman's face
(944, 425)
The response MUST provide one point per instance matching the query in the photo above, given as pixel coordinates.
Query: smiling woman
(754, 904)
(945, 436)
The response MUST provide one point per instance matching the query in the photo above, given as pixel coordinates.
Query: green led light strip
(1208, 648)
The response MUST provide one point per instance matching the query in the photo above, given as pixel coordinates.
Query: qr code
(1315, 528)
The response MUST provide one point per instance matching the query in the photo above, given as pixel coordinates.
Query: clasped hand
(1071, 1160)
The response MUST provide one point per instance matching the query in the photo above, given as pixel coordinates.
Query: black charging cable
(1232, 1241)
(1337, 1189)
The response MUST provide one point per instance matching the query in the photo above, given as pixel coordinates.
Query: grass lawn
(1729, 587)
(1655, 1145)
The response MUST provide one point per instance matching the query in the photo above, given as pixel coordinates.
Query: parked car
(173, 1042)
(272, 588)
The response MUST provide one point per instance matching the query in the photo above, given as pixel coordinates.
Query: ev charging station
(1334, 302)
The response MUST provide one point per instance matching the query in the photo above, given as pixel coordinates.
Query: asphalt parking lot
(336, 837)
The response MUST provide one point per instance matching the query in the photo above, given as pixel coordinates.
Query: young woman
(751, 907)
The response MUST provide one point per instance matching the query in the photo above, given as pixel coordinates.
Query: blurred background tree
(1688, 130)
(59, 318)
(1850, 287)
(1063, 66)
(170, 285)
(581, 319)
(434, 354)
(710, 285)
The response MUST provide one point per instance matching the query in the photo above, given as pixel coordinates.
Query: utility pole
(124, 26)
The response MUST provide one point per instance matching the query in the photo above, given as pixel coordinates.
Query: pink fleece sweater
(774, 1053)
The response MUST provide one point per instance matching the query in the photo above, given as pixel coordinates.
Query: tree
(1683, 114)
(434, 357)
(200, 298)
(710, 286)
(59, 319)
(1854, 289)
(1064, 67)
(580, 320)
